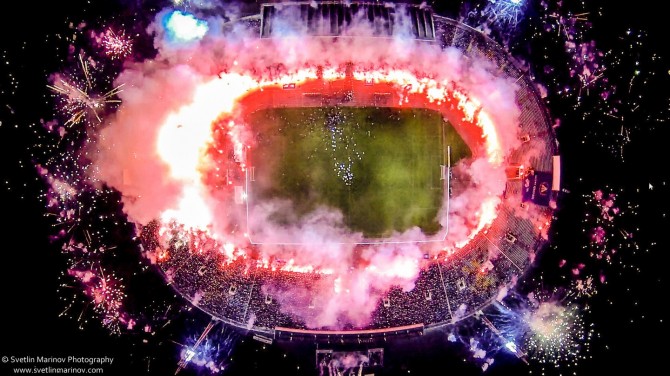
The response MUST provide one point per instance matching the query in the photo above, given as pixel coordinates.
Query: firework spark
(117, 45)
(547, 328)
(210, 350)
(611, 227)
(558, 335)
(79, 101)
(106, 294)
(203, 104)
(507, 12)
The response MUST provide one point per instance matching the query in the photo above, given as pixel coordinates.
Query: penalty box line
(447, 183)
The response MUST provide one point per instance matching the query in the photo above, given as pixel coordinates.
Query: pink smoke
(155, 91)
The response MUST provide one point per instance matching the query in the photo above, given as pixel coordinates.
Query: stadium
(386, 154)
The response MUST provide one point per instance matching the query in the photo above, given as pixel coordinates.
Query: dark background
(628, 313)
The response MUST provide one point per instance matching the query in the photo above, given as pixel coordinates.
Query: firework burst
(609, 224)
(117, 45)
(79, 101)
(509, 12)
(545, 328)
(105, 294)
(611, 88)
(210, 350)
(498, 18)
(558, 335)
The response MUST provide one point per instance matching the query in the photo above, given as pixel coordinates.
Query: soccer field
(379, 166)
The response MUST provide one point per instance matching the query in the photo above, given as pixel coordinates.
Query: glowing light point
(184, 27)
(189, 355)
(508, 12)
(511, 346)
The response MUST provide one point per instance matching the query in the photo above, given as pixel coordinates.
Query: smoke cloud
(164, 96)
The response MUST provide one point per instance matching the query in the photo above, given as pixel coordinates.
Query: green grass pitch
(379, 166)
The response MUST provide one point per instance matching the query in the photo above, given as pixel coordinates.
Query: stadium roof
(334, 18)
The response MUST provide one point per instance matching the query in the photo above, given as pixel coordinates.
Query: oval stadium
(440, 201)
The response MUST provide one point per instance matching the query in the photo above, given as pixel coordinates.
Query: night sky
(627, 313)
